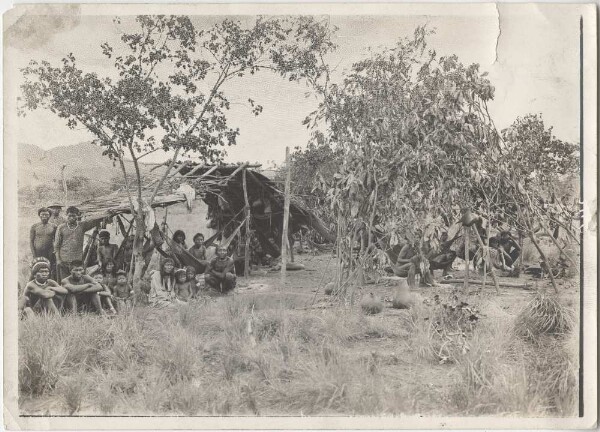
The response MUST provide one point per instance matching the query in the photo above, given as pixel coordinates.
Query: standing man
(68, 242)
(55, 217)
(41, 239)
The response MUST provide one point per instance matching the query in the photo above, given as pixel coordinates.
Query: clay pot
(329, 288)
(469, 218)
(402, 297)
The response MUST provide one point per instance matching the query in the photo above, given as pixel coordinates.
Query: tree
(168, 93)
(414, 132)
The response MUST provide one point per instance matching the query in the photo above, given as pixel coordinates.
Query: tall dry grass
(525, 366)
(261, 355)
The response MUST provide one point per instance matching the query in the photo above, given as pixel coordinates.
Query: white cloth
(189, 192)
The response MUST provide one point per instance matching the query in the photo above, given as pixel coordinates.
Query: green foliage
(164, 71)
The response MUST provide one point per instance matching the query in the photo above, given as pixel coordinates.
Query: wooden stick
(480, 282)
(492, 272)
(171, 175)
(206, 174)
(286, 215)
(90, 245)
(467, 234)
(547, 231)
(232, 175)
(247, 208)
(533, 238)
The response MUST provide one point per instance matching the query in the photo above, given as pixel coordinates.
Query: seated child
(190, 272)
(123, 293)
(106, 294)
(183, 287)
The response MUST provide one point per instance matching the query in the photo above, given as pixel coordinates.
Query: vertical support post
(64, 185)
(467, 234)
(487, 256)
(286, 215)
(247, 235)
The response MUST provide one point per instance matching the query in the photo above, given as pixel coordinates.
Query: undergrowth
(255, 355)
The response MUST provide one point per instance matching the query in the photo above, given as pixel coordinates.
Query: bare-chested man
(82, 289)
(42, 292)
(106, 249)
(41, 238)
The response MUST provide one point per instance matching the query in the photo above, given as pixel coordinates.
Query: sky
(531, 53)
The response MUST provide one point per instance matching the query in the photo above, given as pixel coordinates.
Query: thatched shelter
(223, 189)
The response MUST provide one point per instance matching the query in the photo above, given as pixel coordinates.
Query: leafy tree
(414, 131)
(310, 169)
(169, 89)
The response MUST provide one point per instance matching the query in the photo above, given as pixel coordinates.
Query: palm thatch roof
(221, 187)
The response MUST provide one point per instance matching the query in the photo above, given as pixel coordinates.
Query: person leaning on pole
(68, 242)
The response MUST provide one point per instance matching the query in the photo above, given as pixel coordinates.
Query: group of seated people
(176, 283)
(108, 290)
(503, 251)
(77, 292)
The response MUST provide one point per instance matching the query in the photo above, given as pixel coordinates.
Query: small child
(105, 294)
(190, 273)
(122, 291)
(183, 287)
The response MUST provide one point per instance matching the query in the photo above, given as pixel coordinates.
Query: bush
(543, 315)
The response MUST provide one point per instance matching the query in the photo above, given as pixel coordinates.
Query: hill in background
(38, 166)
(88, 173)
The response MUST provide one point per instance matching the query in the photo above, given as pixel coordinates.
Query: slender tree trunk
(533, 238)
(492, 271)
(286, 215)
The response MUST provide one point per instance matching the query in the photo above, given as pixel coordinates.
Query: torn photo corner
(300, 216)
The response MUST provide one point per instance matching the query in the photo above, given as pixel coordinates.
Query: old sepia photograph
(300, 216)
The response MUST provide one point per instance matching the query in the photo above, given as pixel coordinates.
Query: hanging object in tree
(189, 192)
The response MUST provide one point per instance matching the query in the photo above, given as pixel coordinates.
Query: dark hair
(109, 260)
(122, 273)
(178, 233)
(44, 209)
(76, 263)
(163, 275)
(103, 234)
(198, 235)
(72, 209)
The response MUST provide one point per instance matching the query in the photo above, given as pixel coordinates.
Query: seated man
(220, 274)
(41, 292)
(444, 258)
(404, 261)
(82, 288)
(510, 247)
(496, 257)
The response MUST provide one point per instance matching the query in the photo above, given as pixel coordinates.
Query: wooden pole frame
(286, 215)
(247, 234)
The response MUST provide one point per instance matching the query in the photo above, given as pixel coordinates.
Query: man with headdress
(68, 242)
(41, 238)
(41, 292)
(220, 274)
